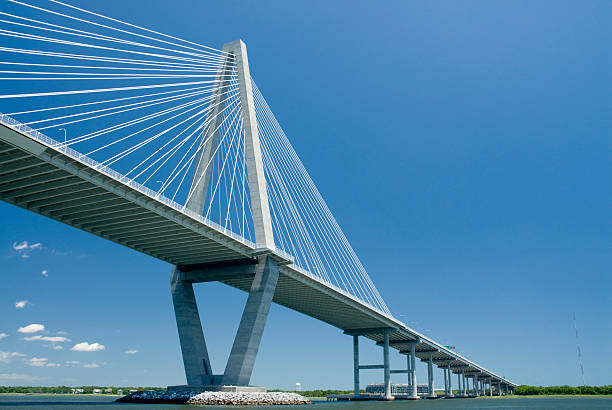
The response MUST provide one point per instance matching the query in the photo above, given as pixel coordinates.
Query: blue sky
(464, 147)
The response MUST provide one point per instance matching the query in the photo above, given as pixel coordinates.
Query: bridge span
(274, 237)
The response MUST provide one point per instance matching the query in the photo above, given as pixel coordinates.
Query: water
(102, 403)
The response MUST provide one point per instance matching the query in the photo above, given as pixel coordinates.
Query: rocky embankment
(215, 398)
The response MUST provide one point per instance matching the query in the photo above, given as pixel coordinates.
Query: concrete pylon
(193, 346)
(450, 383)
(356, 388)
(262, 222)
(412, 375)
(265, 275)
(248, 337)
(430, 380)
(387, 368)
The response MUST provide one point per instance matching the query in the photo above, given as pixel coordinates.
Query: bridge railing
(84, 159)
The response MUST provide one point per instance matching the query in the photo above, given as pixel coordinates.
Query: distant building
(108, 390)
(133, 391)
(97, 391)
(397, 389)
(119, 391)
(77, 391)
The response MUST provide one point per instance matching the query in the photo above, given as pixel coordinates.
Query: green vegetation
(524, 390)
(69, 390)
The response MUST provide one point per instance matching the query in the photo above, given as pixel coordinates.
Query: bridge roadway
(41, 175)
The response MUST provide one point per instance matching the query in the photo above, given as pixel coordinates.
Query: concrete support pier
(412, 375)
(193, 346)
(450, 383)
(246, 344)
(430, 380)
(387, 369)
(356, 390)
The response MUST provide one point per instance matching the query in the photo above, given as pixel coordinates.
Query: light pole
(65, 135)
(298, 386)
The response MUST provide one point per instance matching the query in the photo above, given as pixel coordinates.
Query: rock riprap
(215, 398)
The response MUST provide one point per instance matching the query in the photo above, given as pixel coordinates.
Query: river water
(102, 403)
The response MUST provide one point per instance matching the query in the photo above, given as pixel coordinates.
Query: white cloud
(20, 246)
(6, 357)
(72, 362)
(41, 362)
(131, 351)
(3, 335)
(24, 249)
(38, 362)
(62, 333)
(31, 328)
(21, 304)
(15, 376)
(57, 347)
(52, 339)
(91, 365)
(86, 347)
(45, 273)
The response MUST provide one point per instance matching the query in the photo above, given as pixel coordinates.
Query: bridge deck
(40, 175)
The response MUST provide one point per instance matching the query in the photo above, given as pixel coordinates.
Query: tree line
(525, 390)
(69, 389)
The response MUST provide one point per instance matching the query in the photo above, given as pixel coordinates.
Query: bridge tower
(264, 269)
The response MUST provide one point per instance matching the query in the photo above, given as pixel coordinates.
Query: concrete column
(246, 344)
(464, 384)
(262, 222)
(499, 389)
(476, 388)
(430, 380)
(356, 364)
(450, 383)
(193, 346)
(412, 374)
(210, 135)
(387, 372)
(459, 383)
(490, 387)
(409, 371)
(445, 381)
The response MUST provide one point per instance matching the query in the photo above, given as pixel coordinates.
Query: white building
(397, 389)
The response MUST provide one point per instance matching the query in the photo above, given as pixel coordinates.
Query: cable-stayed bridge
(168, 147)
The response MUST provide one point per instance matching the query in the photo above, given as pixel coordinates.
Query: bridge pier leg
(357, 390)
(430, 381)
(193, 346)
(409, 379)
(450, 383)
(490, 387)
(464, 384)
(412, 375)
(445, 381)
(459, 388)
(387, 369)
(246, 343)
